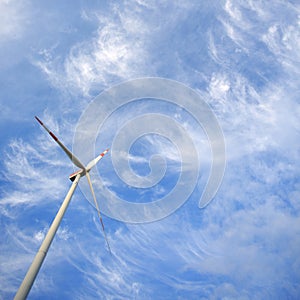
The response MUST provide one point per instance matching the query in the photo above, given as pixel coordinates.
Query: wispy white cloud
(233, 245)
(125, 46)
(23, 168)
(113, 54)
(255, 90)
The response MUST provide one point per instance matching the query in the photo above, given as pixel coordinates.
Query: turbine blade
(93, 162)
(73, 158)
(98, 210)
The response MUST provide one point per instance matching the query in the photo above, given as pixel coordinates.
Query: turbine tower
(33, 270)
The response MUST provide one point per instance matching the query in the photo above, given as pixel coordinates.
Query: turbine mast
(41, 254)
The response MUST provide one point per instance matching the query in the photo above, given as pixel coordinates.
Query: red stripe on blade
(39, 120)
(55, 138)
(75, 173)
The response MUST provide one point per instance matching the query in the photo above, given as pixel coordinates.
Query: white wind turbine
(33, 270)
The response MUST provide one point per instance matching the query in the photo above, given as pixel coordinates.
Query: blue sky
(243, 58)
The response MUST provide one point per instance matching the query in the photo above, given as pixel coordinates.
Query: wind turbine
(33, 270)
